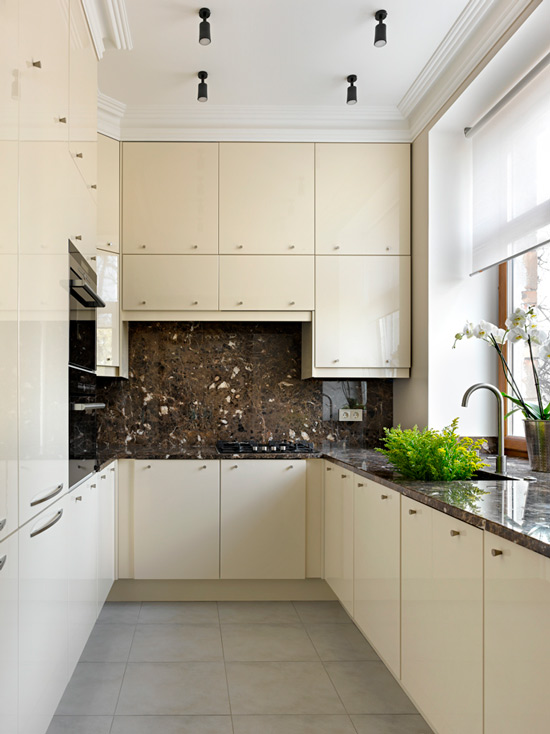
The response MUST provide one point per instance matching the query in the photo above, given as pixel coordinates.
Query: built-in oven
(83, 403)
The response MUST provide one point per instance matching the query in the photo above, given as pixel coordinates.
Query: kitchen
(217, 331)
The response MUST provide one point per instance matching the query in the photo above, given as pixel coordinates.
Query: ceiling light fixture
(204, 27)
(203, 87)
(380, 30)
(352, 91)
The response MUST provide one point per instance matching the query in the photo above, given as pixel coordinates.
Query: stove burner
(272, 447)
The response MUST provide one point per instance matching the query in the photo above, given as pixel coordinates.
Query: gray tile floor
(231, 668)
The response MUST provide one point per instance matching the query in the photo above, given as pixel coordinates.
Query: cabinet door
(43, 327)
(107, 482)
(362, 197)
(517, 638)
(266, 283)
(266, 198)
(82, 522)
(263, 519)
(442, 618)
(362, 316)
(170, 198)
(82, 92)
(339, 533)
(377, 572)
(9, 573)
(170, 283)
(108, 318)
(176, 519)
(44, 65)
(43, 591)
(9, 172)
(108, 193)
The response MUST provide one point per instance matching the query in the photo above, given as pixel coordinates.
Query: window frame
(513, 445)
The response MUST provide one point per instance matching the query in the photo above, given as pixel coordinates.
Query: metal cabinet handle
(239, 247)
(344, 476)
(79, 155)
(360, 484)
(55, 519)
(3, 562)
(194, 247)
(495, 552)
(37, 64)
(335, 361)
(112, 468)
(93, 486)
(291, 466)
(78, 236)
(239, 303)
(291, 247)
(103, 476)
(202, 467)
(412, 512)
(63, 120)
(93, 186)
(292, 303)
(47, 497)
(195, 303)
(336, 247)
(78, 499)
(454, 533)
(383, 496)
(80, 407)
(329, 468)
(148, 466)
(142, 247)
(3, 522)
(235, 466)
(142, 303)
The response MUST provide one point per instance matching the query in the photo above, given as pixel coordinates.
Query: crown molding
(110, 113)
(262, 123)
(478, 29)
(108, 21)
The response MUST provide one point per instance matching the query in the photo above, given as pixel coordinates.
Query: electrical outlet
(350, 414)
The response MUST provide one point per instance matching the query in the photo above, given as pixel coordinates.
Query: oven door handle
(96, 302)
(87, 406)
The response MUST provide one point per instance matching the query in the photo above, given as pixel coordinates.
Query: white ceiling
(279, 63)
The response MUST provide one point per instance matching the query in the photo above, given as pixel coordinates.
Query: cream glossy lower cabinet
(377, 574)
(339, 533)
(176, 519)
(9, 657)
(442, 618)
(517, 638)
(263, 519)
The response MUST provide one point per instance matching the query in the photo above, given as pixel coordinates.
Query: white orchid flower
(516, 334)
(538, 336)
(484, 330)
(499, 336)
(468, 330)
(544, 351)
(516, 319)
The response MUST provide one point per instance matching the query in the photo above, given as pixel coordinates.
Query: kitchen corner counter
(518, 511)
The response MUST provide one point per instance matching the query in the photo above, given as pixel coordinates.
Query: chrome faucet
(501, 458)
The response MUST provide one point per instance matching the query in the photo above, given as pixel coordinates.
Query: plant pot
(537, 435)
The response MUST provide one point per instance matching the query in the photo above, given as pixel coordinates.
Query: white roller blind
(511, 177)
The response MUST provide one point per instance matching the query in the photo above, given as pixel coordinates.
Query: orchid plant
(521, 325)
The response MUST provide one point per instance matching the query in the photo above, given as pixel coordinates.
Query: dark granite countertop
(518, 511)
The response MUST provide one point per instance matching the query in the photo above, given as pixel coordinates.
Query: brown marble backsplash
(191, 384)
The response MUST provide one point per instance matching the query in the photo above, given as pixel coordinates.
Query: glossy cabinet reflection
(377, 572)
(339, 533)
(108, 318)
(43, 590)
(266, 198)
(362, 312)
(9, 657)
(108, 194)
(170, 198)
(362, 196)
(177, 502)
(517, 639)
(442, 614)
(262, 528)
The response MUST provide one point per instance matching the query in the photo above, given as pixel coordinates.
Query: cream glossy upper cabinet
(339, 533)
(266, 283)
(362, 312)
(176, 520)
(82, 95)
(43, 64)
(170, 198)
(9, 588)
(377, 575)
(266, 198)
(108, 318)
(442, 618)
(108, 194)
(517, 638)
(170, 283)
(263, 521)
(362, 197)
(9, 173)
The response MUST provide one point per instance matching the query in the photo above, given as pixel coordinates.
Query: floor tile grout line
(225, 669)
(124, 674)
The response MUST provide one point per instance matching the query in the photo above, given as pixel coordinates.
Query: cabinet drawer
(170, 283)
(266, 283)
(362, 194)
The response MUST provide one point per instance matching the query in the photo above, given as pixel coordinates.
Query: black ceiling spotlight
(380, 30)
(204, 27)
(203, 87)
(352, 91)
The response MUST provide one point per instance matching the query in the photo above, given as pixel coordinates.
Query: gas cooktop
(271, 447)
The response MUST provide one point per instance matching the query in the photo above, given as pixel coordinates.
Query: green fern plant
(431, 455)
